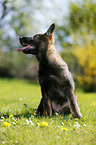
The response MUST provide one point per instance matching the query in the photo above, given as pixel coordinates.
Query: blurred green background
(75, 37)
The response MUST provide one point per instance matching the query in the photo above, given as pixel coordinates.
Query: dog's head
(38, 43)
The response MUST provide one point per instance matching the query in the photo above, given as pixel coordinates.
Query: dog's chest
(53, 81)
(49, 77)
(52, 85)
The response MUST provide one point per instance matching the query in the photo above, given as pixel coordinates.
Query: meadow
(20, 125)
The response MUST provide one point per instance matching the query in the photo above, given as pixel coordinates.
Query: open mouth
(26, 47)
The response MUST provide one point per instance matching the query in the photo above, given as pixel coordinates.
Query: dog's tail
(29, 107)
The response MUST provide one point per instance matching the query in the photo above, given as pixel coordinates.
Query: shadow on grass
(28, 115)
(25, 114)
(29, 112)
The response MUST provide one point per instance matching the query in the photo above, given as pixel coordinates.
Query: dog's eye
(37, 36)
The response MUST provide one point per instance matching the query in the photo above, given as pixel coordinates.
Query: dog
(57, 85)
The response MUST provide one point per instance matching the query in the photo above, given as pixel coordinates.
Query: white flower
(84, 125)
(62, 123)
(27, 121)
(14, 119)
(2, 117)
(1, 120)
(20, 99)
(77, 125)
(31, 122)
(16, 141)
(14, 123)
(3, 142)
(56, 113)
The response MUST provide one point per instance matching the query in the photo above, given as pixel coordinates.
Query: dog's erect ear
(51, 30)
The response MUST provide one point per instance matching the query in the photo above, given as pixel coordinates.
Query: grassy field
(19, 124)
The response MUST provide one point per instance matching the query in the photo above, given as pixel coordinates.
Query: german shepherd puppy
(57, 85)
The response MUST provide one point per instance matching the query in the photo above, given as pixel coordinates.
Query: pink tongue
(21, 49)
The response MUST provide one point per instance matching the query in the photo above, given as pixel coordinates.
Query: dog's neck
(51, 59)
(53, 56)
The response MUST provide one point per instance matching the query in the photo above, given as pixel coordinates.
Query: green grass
(14, 93)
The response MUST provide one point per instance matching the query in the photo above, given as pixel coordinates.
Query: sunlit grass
(19, 124)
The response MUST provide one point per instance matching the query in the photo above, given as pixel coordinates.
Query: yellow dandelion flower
(7, 124)
(64, 128)
(4, 97)
(44, 123)
(34, 113)
(38, 124)
(93, 104)
(11, 116)
(76, 119)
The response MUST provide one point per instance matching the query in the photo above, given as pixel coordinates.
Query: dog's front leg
(47, 105)
(44, 106)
